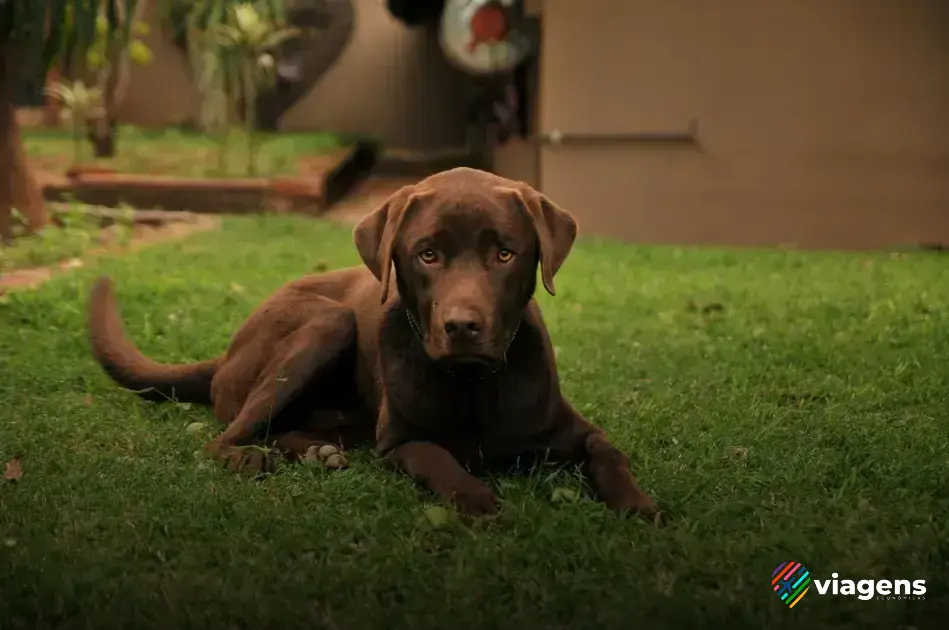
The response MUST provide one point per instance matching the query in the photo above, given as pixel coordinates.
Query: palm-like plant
(247, 38)
(209, 64)
(220, 37)
(81, 104)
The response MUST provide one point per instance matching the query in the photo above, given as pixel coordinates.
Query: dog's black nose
(462, 322)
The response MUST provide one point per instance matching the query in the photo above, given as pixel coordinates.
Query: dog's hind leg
(298, 359)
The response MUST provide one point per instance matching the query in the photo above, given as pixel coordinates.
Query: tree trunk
(52, 107)
(103, 127)
(103, 131)
(20, 190)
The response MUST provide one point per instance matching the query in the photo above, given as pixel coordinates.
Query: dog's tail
(131, 369)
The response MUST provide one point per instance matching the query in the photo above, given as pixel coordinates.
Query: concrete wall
(160, 93)
(819, 123)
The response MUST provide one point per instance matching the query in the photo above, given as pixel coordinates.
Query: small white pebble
(326, 450)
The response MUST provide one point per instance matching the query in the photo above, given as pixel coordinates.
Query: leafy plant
(230, 47)
(117, 43)
(80, 103)
(251, 33)
(213, 68)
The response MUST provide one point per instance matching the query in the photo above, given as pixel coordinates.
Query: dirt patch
(366, 197)
(147, 228)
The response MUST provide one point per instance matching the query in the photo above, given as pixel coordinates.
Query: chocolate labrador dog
(435, 351)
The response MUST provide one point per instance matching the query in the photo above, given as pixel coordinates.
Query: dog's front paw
(638, 502)
(620, 492)
(251, 460)
(326, 454)
(472, 498)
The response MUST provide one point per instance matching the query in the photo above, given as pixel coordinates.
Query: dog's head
(465, 245)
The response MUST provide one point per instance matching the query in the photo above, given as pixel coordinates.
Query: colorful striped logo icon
(791, 581)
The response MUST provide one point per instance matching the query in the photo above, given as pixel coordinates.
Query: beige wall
(517, 160)
(160, 93)
(391, 82)
(820, 123)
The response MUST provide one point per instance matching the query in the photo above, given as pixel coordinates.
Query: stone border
(323, 180)
(235, 196)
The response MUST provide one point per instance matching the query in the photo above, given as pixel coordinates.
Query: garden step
(413, 163)
(321, 181)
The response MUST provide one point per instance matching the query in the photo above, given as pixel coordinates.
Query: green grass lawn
(805, 420)
(183, 153)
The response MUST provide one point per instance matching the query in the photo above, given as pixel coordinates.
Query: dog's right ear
(375, 234)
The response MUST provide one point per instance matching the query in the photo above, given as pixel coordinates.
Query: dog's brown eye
(429, 257)
(505, 255)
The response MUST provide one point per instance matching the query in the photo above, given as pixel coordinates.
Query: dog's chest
(480, 421)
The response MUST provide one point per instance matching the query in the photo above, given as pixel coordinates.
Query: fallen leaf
(437, 516)
(87, 400)
(739, 452)
(195, 427)
(236, 288)
(9, 542)
(564, 495)
(13, 470)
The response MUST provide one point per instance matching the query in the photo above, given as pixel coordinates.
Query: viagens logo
(870, 589)
(792, 580)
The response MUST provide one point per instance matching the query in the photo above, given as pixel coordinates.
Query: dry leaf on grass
(564, 495)
(437, 516)
(196, 427)
(13, 471)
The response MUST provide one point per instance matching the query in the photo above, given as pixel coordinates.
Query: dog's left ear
(556, 230)
(375, 234)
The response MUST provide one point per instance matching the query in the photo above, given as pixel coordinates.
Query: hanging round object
(483, 37)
